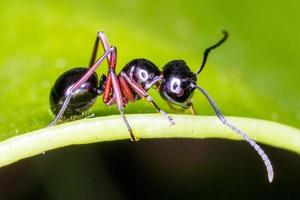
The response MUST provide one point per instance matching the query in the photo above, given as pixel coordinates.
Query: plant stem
(144, 126)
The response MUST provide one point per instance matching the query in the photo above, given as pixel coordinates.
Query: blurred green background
(254, 74)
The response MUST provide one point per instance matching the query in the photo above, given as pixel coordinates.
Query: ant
(75, 91)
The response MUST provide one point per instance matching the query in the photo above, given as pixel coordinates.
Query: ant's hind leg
(62, 110)
(100, 36)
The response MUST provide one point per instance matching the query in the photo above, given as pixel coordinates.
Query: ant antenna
(207, 51)
(257, 148)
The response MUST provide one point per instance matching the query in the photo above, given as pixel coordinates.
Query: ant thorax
(142, 71)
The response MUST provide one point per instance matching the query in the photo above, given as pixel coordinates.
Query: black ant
(75, 91)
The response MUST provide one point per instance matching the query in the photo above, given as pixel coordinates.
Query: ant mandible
(75, 91)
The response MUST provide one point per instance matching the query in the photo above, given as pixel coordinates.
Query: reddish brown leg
(139, 90)
(112, 82)
(108, 85)
(92, 69)
(111, 101)
(107, 89)
(100, 36)
(118, 93)
(126, 89)
(120, 102)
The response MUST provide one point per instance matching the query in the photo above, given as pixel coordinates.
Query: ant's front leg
(192, 108)
(139, 90)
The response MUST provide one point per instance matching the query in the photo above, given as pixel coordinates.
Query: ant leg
(192, 108)
(172, 107)
(62, 110)
(72, 89)
(117, 93)
(132, 136)
(178, 109)
(107, 89)
(206, 52)
(153, 82)
(90, 116)
(139, 90)
(111, 101)
(257, 148)
(92, 69)
(120, 103)
(111, 60)
(126, 90)
(100, 36)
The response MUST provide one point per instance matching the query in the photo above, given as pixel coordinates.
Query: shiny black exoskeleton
(83, 98)
(178, 82)
(143, 71)
(76, 90)
(175, 85)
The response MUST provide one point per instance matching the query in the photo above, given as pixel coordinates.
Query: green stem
(144, 126)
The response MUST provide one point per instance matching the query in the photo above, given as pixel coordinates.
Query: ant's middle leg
(119, 99)
(117, 93)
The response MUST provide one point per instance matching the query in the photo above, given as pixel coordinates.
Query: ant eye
(176, 87)
(143, 74)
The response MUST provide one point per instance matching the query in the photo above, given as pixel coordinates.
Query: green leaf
(253, 74)
(145, 127)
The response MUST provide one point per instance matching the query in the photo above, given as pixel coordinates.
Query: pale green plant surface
(145, 126)
(254, 74)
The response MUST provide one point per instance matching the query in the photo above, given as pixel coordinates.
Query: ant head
(178, 82)
(143, 71)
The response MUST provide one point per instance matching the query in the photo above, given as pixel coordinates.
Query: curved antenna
(207, 51)
(257, 148)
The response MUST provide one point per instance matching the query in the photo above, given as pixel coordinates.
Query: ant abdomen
(82, 99)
